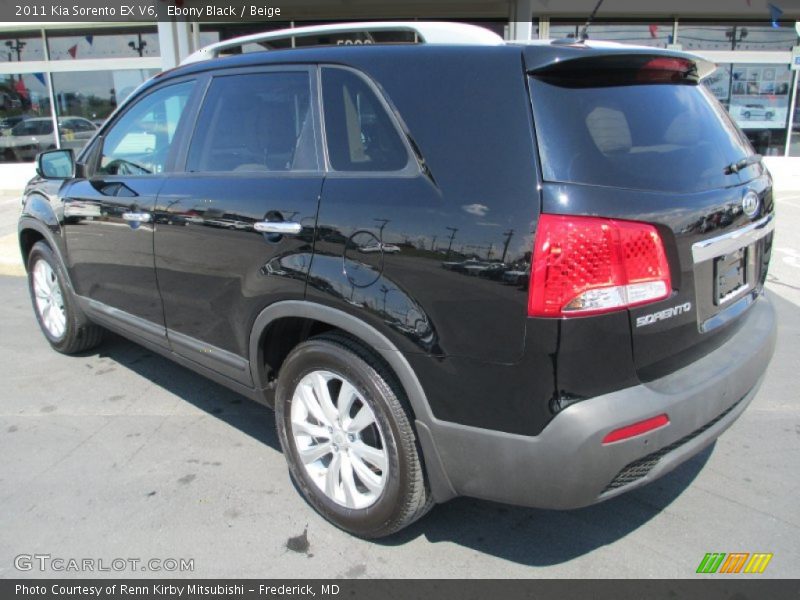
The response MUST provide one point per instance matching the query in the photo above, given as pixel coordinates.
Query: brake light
(590, 265)
(665, 69)
(629, 431)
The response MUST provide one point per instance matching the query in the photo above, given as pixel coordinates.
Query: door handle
(282, 227)
(137, 217)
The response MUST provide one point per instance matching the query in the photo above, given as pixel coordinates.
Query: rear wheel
(348, 439)
(61, 321)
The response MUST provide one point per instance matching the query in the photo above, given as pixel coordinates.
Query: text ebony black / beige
(527, 273)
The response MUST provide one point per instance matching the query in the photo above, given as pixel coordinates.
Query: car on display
(30, 136)
(756, 111)
(617, 326)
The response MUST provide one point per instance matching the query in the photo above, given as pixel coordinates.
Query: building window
(655, 33)
(735, 36)
(26, 124)
(90, 97)
(757, 98)
(103, 43)
(20, 46)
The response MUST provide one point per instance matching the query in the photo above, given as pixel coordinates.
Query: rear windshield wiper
(737, 166)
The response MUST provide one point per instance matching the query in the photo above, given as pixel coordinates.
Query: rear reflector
(590, 265)
(629, 431)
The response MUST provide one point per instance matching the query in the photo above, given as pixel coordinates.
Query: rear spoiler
(556, 58)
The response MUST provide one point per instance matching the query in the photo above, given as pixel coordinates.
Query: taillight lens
(590, 265)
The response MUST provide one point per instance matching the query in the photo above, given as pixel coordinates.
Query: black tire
(79, 333)
(406, 496)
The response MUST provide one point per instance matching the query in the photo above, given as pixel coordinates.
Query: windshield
(660, 137)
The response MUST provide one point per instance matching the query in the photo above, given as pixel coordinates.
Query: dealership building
(60, 81)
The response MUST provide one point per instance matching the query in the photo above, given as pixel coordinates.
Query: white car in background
(31, 136)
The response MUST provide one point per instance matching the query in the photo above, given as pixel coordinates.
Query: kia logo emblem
(751, 204)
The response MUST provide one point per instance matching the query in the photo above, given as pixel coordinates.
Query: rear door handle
(282, 227)
(137, 217)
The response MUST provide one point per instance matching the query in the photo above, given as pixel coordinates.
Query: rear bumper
(567, 466)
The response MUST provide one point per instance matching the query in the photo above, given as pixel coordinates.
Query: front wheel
(59, 317)
(348, 439)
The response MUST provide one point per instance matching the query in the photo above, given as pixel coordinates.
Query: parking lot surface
(120, 453)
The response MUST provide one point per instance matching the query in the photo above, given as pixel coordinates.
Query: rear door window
(255, 122)
(360, 133)
(661, 137)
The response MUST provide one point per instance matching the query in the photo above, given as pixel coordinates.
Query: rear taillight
(590, 265)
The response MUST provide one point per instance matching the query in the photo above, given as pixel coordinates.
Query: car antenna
(584, 33)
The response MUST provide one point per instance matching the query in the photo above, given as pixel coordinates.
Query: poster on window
(759, 95)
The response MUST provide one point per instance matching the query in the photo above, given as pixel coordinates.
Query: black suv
(527, 273)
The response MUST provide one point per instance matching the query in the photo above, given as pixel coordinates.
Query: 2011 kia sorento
(457, 266)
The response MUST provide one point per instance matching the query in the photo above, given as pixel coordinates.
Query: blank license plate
(730, 275)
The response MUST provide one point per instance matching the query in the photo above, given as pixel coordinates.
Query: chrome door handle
(137, 217)
(282, 227)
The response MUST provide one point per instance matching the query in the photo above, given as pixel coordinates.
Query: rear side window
(360, 133)
(255, 122)
(660, 137)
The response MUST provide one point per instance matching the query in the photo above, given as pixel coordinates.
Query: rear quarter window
(360, 133)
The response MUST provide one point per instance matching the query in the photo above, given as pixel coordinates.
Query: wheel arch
(373, 339)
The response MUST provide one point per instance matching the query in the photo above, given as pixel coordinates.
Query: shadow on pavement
(527, 536)
(249, 417)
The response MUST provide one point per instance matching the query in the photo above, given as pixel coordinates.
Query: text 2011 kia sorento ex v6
(527, 273)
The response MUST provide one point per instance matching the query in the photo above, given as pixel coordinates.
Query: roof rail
(428, 32)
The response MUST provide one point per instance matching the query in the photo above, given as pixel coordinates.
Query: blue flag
(90, 39)
(775, 13)
(40, 77)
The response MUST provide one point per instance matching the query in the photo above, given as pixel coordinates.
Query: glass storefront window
(103, 43)
(21, 45)
(85, 99)
(757, 97)
(26, 124)
(735, 36)
(656, 33)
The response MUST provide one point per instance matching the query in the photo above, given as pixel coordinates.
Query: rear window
(660, 137)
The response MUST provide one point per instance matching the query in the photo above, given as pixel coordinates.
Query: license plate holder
(730, 276)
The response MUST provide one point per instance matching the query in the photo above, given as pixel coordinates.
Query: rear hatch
(634, 135)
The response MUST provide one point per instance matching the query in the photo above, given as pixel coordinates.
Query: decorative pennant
(73, 51)
(775, 14)
(90, 39)
(40, 77)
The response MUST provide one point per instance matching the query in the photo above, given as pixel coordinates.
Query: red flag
(73, 51)
(653, 31)
(20, 88)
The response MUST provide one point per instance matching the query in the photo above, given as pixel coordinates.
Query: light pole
(452, 231)
(138, 47)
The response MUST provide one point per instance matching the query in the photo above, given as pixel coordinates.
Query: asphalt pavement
(121, 454)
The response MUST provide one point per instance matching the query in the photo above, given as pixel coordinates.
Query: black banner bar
(253, 589)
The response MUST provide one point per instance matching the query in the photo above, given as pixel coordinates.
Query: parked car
(30, 136)
(7, 123)
(397, 384)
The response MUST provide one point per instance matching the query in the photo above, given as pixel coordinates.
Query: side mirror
(56, 164)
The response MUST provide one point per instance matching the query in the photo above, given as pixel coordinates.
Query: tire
(59, 317)
(375, 503)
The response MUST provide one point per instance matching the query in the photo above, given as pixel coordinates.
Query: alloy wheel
(338, 440)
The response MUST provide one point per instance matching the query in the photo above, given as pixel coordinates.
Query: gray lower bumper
(567, 466)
